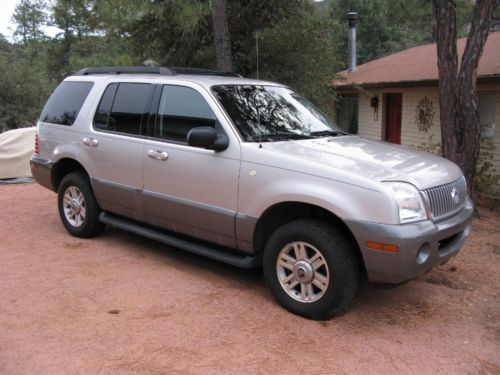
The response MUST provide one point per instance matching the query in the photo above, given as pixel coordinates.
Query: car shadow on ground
(369, 297)
(182, 259)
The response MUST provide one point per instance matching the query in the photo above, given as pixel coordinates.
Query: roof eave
(416, 83)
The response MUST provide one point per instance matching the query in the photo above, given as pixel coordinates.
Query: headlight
(410, 204)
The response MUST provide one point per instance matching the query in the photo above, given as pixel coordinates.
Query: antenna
(256, 102)
(258, 124)
(257, 50)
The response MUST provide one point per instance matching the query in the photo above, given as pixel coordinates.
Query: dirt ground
(120, 303)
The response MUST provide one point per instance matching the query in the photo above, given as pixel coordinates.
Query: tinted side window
(123, 108)
(101, 119)
(180, 110)
(65, 103)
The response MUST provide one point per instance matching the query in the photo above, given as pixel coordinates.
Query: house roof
(418, 66)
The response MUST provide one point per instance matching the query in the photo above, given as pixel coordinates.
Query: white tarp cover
(16, 149)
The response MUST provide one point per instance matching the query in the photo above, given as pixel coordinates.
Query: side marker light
(382, 246)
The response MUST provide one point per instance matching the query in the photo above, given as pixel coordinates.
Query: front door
(188, 189)
(393, 109)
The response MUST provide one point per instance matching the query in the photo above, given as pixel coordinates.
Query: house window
(487, 114)
(347, 113)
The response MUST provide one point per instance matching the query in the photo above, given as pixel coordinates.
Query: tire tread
(337, 248)
(92, 225)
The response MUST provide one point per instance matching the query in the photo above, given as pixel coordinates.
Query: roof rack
(125, 70)
(153, 70)
(204, 72)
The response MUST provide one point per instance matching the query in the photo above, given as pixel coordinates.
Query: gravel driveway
(120, 303)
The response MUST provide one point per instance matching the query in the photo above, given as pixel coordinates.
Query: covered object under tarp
(16, 149)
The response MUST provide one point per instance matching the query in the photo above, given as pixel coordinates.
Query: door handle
(90, 142)
(157, 155)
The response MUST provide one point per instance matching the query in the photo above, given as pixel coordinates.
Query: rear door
(114, 146)
(188, 189)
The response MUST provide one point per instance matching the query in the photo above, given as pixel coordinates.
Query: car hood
(379, 161)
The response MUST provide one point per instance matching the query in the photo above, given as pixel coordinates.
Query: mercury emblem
(454, 195)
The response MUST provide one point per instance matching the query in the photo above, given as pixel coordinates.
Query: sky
(6, 27)
(6, 11)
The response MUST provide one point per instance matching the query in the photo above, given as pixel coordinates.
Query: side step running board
(210, 251)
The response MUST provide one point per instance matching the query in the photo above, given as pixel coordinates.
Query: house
(395, 99)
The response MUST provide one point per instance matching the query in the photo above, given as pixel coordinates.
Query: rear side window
(65, 103)
(101, 119)
(180, 110)
(123, 108)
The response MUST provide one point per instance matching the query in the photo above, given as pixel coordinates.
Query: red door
(393, 108)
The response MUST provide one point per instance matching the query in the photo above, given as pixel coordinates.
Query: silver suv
(249, 173)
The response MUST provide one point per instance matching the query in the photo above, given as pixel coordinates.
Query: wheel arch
(284, 212)
(61, 168)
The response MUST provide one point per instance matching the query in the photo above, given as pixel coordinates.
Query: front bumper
(422, 245)
(41, 169)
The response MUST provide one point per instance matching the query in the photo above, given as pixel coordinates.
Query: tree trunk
(460, 128)
(221, 35)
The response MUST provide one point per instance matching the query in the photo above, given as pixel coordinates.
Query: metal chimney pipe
(353, 20)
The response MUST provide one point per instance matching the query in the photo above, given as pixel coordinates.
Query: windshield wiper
(324, 133)
(283, 136)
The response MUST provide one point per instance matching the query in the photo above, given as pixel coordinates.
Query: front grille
(446, 200)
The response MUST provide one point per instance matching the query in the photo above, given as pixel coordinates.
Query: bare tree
(460, 128)
(221, 35)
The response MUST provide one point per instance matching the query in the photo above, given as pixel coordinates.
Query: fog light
(423, 253)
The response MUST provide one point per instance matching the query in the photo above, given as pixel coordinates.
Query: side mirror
(204, 136)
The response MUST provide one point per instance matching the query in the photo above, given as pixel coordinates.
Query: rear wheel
(311, 269)
(78, 207)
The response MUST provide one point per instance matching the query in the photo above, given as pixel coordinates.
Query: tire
(78, 207)
(316, 265)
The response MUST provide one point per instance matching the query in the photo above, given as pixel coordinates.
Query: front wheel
(311, 269)
(78, 207)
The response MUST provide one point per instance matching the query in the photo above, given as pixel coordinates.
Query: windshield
(270, 113)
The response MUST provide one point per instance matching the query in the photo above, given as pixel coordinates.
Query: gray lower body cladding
(41, 169)
(204, 222)
(422, 246)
